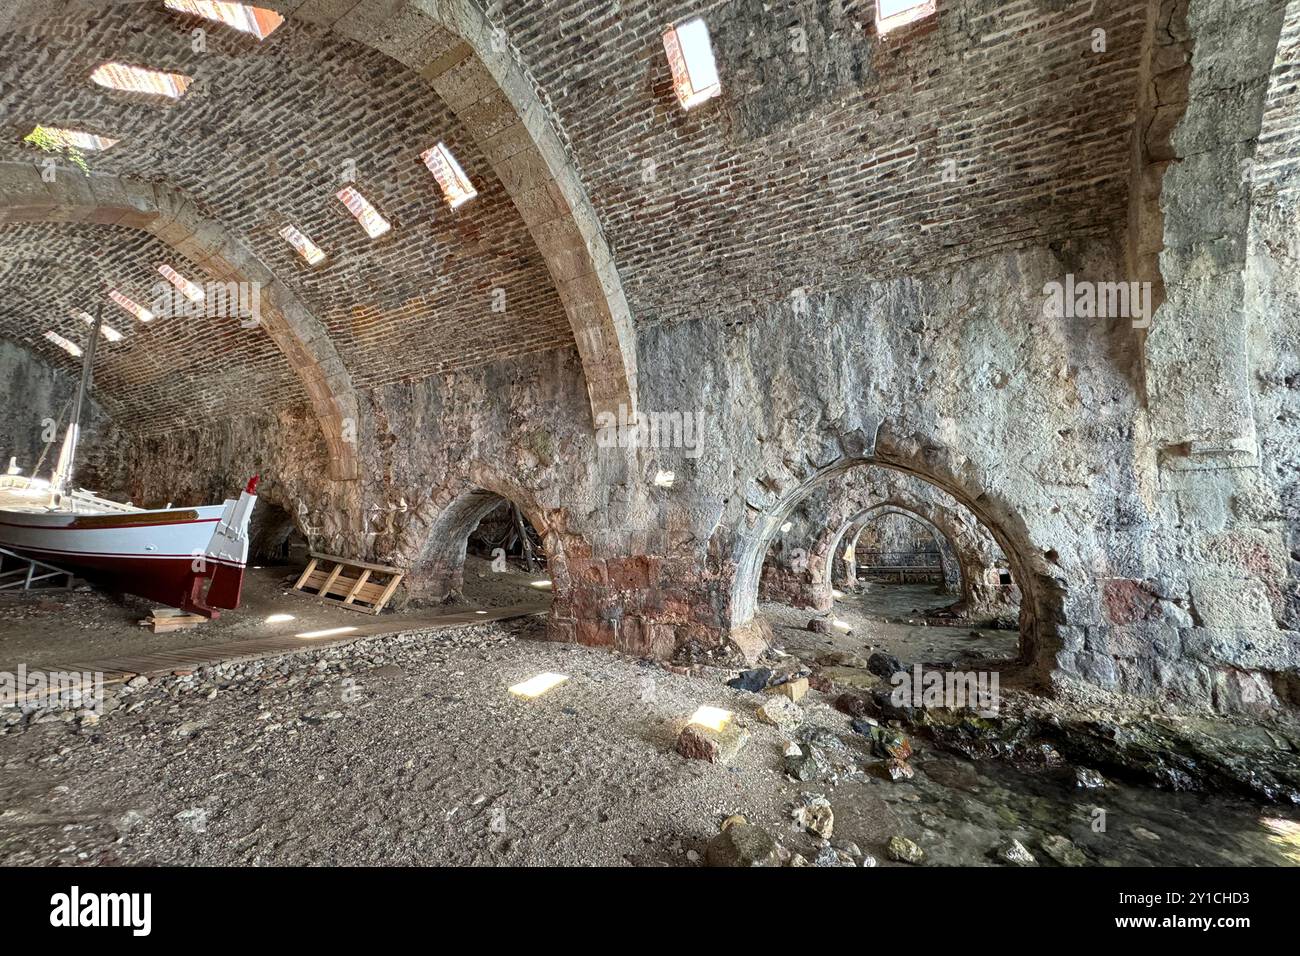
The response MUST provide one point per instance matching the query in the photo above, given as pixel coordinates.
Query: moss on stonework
(45, 139)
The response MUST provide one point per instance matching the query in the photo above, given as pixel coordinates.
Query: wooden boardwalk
(155, 663)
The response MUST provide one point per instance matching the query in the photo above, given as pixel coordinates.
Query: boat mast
(62, 478)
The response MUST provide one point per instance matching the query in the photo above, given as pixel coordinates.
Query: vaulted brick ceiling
(824, 168)
(822, 165)
(172, 370)
(264, 138)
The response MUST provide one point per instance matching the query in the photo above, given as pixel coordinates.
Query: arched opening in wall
(484, 551)
(505, 559)
(274, 539)
(895, 549)
(872, 559)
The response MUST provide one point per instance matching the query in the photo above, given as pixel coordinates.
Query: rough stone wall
(787, 400)
(1196, 608)
(35, 393)
(901, 537)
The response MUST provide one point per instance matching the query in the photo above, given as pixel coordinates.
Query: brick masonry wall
(264, 138)
(1036, 125)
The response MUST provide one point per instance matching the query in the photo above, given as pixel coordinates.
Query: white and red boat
(190, 558)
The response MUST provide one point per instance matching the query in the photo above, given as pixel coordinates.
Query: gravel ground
(402, 749)
(408, 749)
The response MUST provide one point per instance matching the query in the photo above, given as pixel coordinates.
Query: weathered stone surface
(1063, 851)
(813, 813)
(884, 665)
(807, 763)
(741, 845)
(1014, 853)
(781, 712)
(716, 746)
(1135, 480)
(903, 850)
(792, 689)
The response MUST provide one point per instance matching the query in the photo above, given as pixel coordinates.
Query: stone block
(698, 742)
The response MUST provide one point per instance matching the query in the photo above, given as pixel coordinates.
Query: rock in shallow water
(1063, 851)
(898, 769)
(1014, 852)
(884, 665)
(1088, 779)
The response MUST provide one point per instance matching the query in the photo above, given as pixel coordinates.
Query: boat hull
(160, 555)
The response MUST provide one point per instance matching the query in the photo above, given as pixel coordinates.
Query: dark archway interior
(505, 559)
(275, 538)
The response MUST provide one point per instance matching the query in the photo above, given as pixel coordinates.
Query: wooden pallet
(352, 584)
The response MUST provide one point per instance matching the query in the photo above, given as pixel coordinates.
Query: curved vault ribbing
(453, 48)
(107, 200)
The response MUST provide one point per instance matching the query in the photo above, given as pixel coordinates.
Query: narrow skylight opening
(456, 187)
(690, 56)
(130, 307)
(106, 330)
(191, 290)
(892, 14)
(306, 248)
(374, 224)
(136, 79)
(258, 21)
(72, 138)
(70, 347)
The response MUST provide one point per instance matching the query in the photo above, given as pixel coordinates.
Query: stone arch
(101, 199)
(955, 573)
(451, 46)
(438, 562)
(1042, 609)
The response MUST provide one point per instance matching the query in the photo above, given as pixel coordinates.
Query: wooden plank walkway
(155, 663)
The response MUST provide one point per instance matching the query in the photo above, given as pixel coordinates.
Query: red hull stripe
(107, 527)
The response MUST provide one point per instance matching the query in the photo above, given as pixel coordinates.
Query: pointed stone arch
(1042, 609)
(956, 575)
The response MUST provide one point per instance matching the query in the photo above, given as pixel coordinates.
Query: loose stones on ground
(903, 850)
